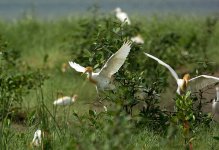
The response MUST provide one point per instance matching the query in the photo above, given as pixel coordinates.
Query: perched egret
(215, 103)
(66, 100)
(185, 83)
(102, 78)
(122, 16)
(37, 138)
(137, 39)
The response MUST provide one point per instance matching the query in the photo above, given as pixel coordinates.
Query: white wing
(201, 82)
(165, 65)
(114, 63)
(76, 66)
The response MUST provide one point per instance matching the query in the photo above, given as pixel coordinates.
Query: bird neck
(186, 78)
(183, 85)
(90, 78)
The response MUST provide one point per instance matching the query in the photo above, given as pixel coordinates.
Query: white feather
(201, 82)
(76, 66)
(174, 74)
(114, 63)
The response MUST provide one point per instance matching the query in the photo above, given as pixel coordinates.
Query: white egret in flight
(122, 16)
(185, 83)
(102, 78)
(66, 100)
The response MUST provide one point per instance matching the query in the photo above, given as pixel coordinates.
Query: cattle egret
(105, 108)
(66, 100)
(102, 78)
(215, 103)
(122, 16)
(193, 84)
(137, 39)
(37, 138)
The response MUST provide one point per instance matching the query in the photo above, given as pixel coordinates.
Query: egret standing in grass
(102, 78)
(122, 16)
(37, 138)
(215, 104)
(66, 100)
(185, 83)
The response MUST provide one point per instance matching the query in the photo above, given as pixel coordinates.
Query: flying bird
(194, 84)
(122, 16)
(137, 39)
(102, 78)
(66, 100)
(37, 138)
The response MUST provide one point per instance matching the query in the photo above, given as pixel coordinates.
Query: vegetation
(33, 53)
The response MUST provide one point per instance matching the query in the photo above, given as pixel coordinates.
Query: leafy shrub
(16, 80)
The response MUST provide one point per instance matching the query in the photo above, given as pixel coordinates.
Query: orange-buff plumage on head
(88, 69)
(186, 78)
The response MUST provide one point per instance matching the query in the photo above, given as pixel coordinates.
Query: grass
(49, 44)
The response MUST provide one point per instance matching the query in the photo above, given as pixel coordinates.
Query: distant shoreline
(52, 10)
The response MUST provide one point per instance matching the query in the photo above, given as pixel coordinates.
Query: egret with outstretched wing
(102, 78)
(193, 84)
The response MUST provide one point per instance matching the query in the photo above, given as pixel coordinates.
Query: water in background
(53, 9)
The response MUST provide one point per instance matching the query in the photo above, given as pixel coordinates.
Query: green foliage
(130, 122)
(187, 118)
(16, 80)
(101, 37)
(184, 117)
